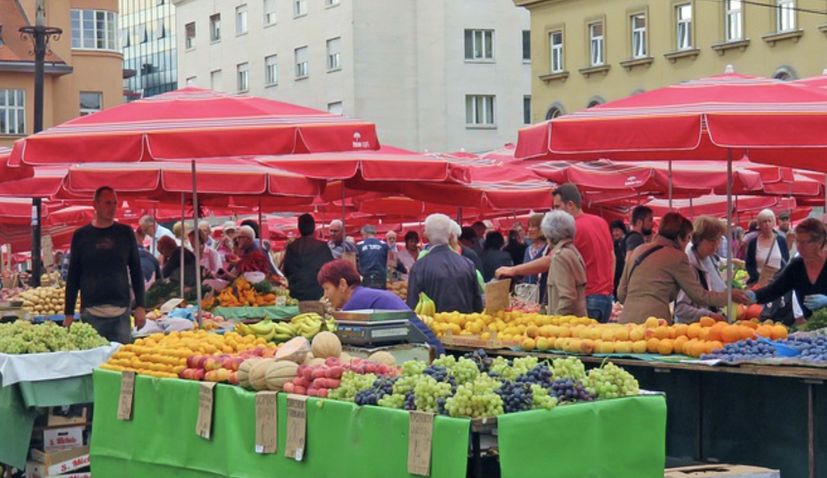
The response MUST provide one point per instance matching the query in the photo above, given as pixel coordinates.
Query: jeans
(114, 329)
(599, 307)
(374, 281)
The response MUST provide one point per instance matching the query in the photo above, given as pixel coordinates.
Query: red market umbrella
(193, 123)
(715, 205)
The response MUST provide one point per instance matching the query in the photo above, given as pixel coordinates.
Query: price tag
(206, 394)
(266, 422)
(497, 295)
(420, 435)
(296, 427)
(125, 399)
(316, 306)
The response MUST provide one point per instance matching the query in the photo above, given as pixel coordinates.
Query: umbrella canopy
(193, 123)
(725, 116)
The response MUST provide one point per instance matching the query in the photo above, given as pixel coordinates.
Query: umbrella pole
(824, 213)
(670, 185)
(729, 235)
(459, 216)
(197, 245)
(260, 226)
(183, 234)
(344, 225)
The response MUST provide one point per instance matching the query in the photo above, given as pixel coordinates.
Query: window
(124, 33)
(526, 45)
(243, 76)
(331, 3)
(683, 23)
(639, 36)
(555, 41)
(271, 70)
(269, 12)
(554, 112)
(299, 8)
(334, 57)
(215, 27)
(785, 15)
(12, 111)
(596, 45)
(161, 29)
(479, 110)
(191, 80)
(302, 67)
(189, 39)
(734, 20)
(90, 102)
(335, 108)
(526, 109)
(94, 29)
(215, 80)
(479, 44)
(240, 19)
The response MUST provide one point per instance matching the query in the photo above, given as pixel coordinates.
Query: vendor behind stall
(171, 252)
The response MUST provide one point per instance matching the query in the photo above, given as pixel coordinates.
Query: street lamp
(40, 35)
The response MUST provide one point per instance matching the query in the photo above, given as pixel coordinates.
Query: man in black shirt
(303, 259)
(642, 221)
(103, 262)
(372, 259)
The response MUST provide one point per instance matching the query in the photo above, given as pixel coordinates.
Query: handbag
(767, 273)
(781, 309)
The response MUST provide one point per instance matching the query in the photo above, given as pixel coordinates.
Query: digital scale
(376, 327)
(11, 311)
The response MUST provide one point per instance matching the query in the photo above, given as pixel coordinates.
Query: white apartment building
(437, 75)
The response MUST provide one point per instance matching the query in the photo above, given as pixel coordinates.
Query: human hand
(67, 321)
(815, 301)
(504, 271)
(140, 317)
(718, 317)
(743, 296)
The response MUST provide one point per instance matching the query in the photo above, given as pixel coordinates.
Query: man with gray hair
(567, 273)
(444, 275)
(154, 231)
(338, 244)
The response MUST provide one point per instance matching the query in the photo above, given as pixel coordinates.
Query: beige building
(589, 52)
(84, 67)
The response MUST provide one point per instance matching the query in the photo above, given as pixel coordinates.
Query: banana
(242, 329)
(262, 328)
(282, 328)
(270, 335)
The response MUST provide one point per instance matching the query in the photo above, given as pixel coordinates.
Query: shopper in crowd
(409, 254)
(641, 228)
(150, 267)
(806, 273)
(153, 231)
(619, 232)
(393, 251)
(595, 245)
(104, 265)
(536, 248)
(706, 237)
(253, 225)
(171, 254)
(766, 252)
(226, 245)
(784, 225)
(480, 229)
(516, 246)
(372, 259)
(251, 257)
(656, 272)
(449, 279)
(342, 286)
(206, 229)
(567, 273)
(303, 259)
(752, 231)
(493, 255)
(210, 260)
(338, 244)
(468, 240)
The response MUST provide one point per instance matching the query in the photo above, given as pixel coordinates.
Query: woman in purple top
(342, 287)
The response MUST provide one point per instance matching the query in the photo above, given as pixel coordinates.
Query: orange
(779, 332)
(662, 333)
(704, 333)
(679, 344)
(764, 331)
(665, 347)
(713, 346)
(531, 331)
(731, 333)
(695, 348)
(707, 322)
(716, 330)
(747, 332)
(753, 324)
(652, 345)
(639, 347)
(693, 331)
(680, 329)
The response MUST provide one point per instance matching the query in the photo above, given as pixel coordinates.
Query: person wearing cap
(303, 259)
(226, 245)
(372, 259)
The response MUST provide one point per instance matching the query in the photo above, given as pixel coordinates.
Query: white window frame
(557, 59)
(331, 3)
(683, 27)
(88, 111)
(638, 37)
(302, 69)
(13, 114)
(597, 44)
(189, 41)
(216, 76)
(241, 23)
(269, 9)
(733, 20)
(299, 8)
(215, 28)
(242, 76)
(482, 45)
(480, 111)
(271, 70)
(785, 16)
(332, 106)
(85, 33)
(334, 58)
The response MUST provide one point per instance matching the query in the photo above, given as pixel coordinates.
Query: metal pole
(197, 245)
(183, 234)
(730, 315)
(260, 226)
(670, 185)
(824, 213)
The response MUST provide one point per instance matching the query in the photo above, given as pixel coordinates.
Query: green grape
(413, 368)
(351, 384)
(523, 364)
(428, 391)
(476, 399)
(392, 401)
(463, 370)
(570, 367)
(22, 337)
(540, 398)
(406, 384)
(611, 381)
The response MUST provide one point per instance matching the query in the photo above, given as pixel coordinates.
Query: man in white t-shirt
(154, 232)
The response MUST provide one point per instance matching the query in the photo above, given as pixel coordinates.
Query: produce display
(400, 288)
(806, 349)
(161, 355)
(818, 320)
(425, 306)
(23, 337)
(243, 293)
(580, 335)
(11, 293)
(303, 325)
(41, 301)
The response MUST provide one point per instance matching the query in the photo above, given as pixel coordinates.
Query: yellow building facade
(587, 52)
(83, 69)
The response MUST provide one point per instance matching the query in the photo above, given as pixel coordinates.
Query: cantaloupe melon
(244, 371)
(326, 344)
(316, 361)
(294, 350)
(383, 357)
(258, 374)
(345, 357)
(307, 359)
(279, 373)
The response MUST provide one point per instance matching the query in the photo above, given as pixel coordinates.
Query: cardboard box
(38, 470)
(62, 461)
(67, 416)
(721, 471)
(62, 438)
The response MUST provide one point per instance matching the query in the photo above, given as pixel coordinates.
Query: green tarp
(272, 312)
(18, 410)
(620, 438)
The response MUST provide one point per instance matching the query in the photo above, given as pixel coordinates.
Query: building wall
(403, 63)
(802, 56)
(147, 36)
